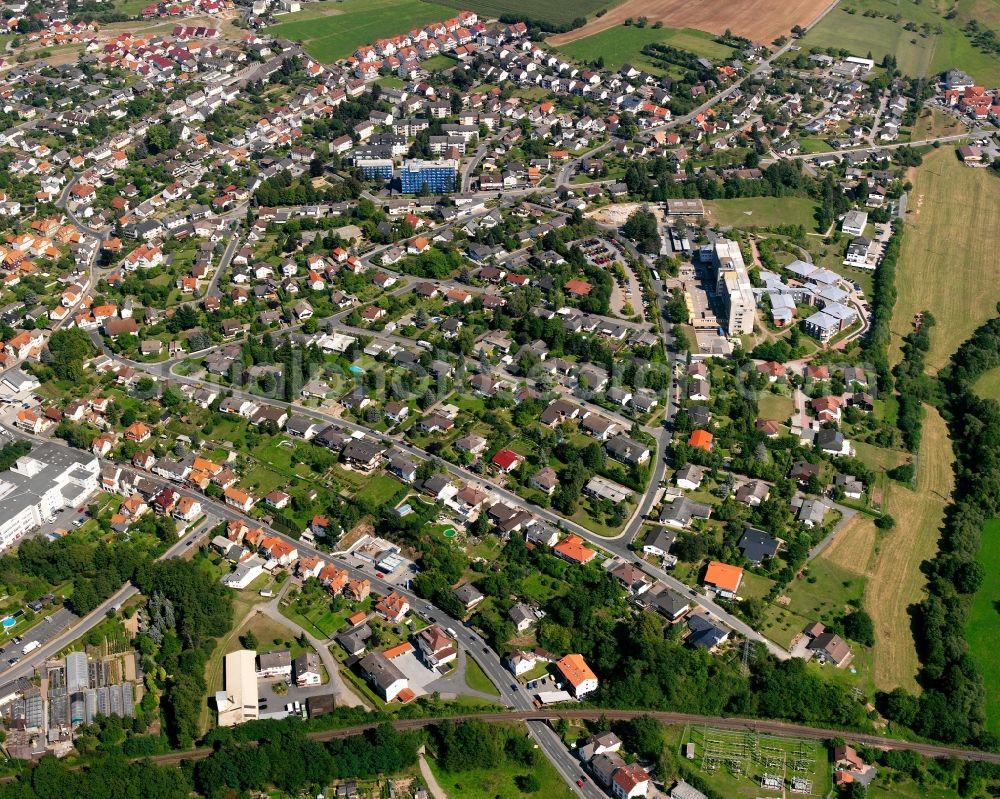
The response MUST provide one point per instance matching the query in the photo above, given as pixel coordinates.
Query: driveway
(453, 683)
(342, 694)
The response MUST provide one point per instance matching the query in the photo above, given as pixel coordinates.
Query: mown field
(948, 262)
(983, 628)
(351, 23)
(896, 580)
(747, 212)
(623, 45)
(891, 560)
(918, 53)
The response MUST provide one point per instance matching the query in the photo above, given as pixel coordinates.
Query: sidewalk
(430, 779)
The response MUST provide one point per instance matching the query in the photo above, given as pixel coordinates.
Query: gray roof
(669, 603)
(704, 632)
(757, 545)
(521, 612)
(661, 538)
(625, 449)
(467, 593)
(682, 510)
(277, 659)
(19, 490)
(380, 670)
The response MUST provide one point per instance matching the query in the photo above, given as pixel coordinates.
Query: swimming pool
(8, 623)
(356, 370)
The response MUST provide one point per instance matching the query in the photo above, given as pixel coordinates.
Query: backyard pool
(8, 622)
(356, 370)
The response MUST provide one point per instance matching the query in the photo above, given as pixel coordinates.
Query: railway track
(757, 725)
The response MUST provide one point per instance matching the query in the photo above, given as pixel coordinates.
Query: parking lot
(273, 702)
(43, 631)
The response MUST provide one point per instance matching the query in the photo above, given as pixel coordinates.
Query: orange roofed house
(237, 498)
(723, 579)
(572, 548)
(392, 608)
(580, 680)
(701, 439)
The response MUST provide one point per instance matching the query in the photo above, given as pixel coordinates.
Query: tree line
(952, 704)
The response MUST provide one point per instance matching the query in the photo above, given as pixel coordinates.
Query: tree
(160, 138)
(885, 522)
(858, 626)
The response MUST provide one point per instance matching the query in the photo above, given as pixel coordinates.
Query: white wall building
(733, 284)
(42, 483)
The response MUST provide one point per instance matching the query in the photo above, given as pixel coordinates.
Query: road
(343, 695)
(27, 665)
(955, 137)
(487, 658)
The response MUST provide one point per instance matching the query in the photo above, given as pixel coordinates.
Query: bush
(885, 522)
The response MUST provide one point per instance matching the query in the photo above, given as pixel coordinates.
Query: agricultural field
(749, 212)
(922, 52)
(355, 22)
(896, 581)
(623, 45)
(983, 628)
(556, 13)
(943, 269)
(758, 20)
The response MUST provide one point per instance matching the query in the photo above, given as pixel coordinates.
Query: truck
(30, 647)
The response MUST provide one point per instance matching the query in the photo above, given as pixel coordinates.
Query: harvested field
(759, 20)
(854, 547)
(896, 579)
(942, 268)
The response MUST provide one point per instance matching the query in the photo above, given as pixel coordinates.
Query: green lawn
(988, 384)
(983, 627)
(754, 586)
(437, 62)
(559, 13)
(814, 144)
(623, 45)
(916, 54)
(775, 406)
(130, 8)
(821, 595)
(361, 22)
(499, 783)
(877, 458)
(380, 490)
(749, 212)
(476, 678)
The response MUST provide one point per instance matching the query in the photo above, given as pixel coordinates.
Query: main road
(511, 694)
